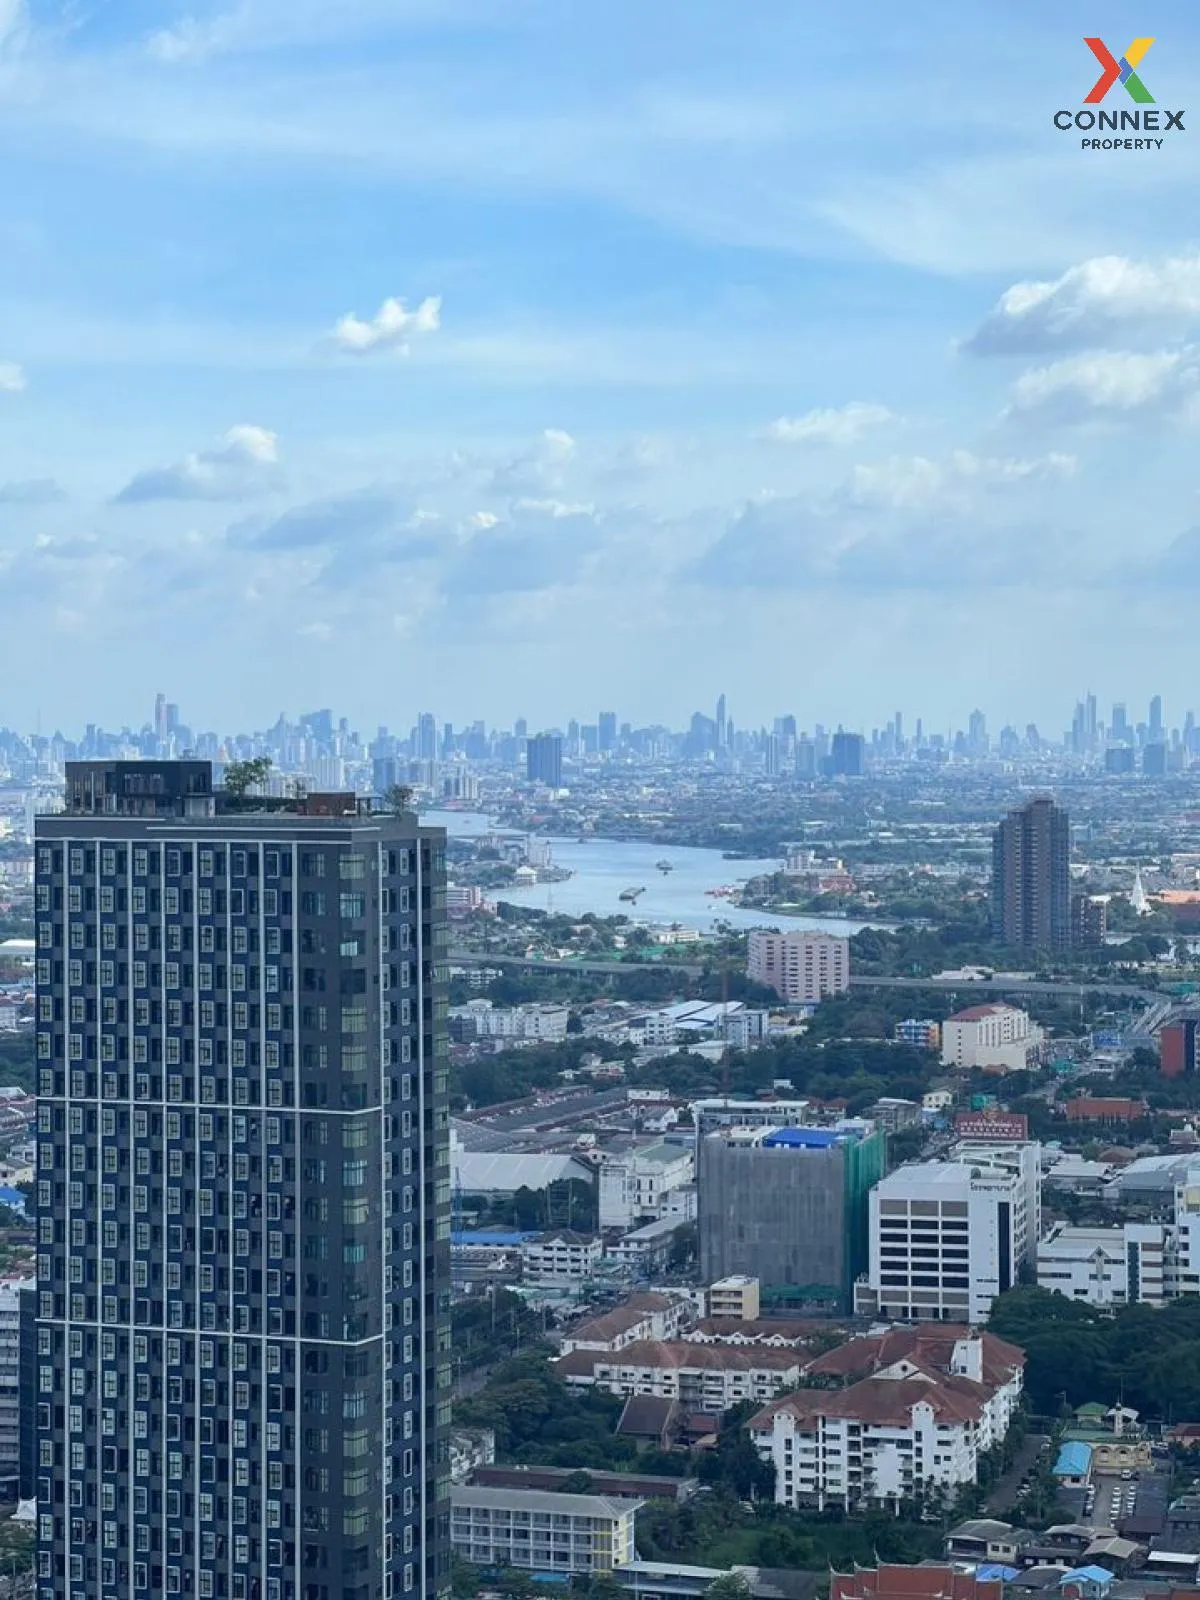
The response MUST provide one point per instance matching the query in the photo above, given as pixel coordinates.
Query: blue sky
(524, 356)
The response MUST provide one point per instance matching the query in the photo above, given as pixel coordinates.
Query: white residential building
(913, 1424)
(541, 1531)
(946, 1237)
(1134, 1263)
(561, 1260)
(480, 1019)
(801, 966)
(470, 1448)
(993, 1036)
(634, 1185)
(702, 1377)
(11, 1290)
(650, 1316)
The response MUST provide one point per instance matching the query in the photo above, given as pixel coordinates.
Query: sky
(522, 358)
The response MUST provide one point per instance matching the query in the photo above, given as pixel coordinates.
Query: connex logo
(1123, 69)
(1114, 70)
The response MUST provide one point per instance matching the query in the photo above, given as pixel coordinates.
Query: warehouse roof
(489, 1172)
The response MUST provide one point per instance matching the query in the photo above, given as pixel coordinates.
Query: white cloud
(1088, 303)
(244, 464)
(390, 328)
(915, 482)
(539, 468)
(1107, 383)
(840, 425)
(191, 40)
(12, 377)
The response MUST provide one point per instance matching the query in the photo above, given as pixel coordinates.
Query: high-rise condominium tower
(1031, 877)
(241, 1369)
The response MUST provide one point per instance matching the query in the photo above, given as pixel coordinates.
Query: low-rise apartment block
(701, 1377)
(643, 1317)
(535, 1024)
(561, 1260)
(736, 1296)
(539, 1531)
(917, 1423)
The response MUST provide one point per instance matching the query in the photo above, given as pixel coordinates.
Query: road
(1128, 991)
(1007, 1491)
(477, 958)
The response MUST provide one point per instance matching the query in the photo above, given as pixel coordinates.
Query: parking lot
(1110, 1498)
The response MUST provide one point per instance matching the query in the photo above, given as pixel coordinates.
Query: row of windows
(172, 1124)
(243, 863)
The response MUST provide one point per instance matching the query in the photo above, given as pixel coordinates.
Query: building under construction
(788, 1206)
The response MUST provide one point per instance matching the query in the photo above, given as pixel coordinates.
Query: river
(601, 868)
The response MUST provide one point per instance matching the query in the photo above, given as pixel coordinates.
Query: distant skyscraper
(899, 727)
(772, 747)
(977, 736)
(1031, 877)
(1154, 759)
(608, 730)
(702, 736)
(721, 731)
(240, 1349)
(427, 738)
(1092, 728)
(543, 760)
(1156, 721)
(520, 728)
(846, 755)
(1119, 759)
(1120, 723)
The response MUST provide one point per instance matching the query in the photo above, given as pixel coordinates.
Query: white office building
(995, 1037)
(562, 1260)
(946, 1237)
(635, 1185)
(801, 966)
(1128, 1265)
(541, 1531)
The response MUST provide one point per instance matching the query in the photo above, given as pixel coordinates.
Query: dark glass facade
(242, 1364)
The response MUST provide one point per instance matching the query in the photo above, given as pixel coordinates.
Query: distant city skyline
(1092, 726)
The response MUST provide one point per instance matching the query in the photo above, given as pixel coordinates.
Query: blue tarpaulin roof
(1086, 1575)
(803, 1138)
